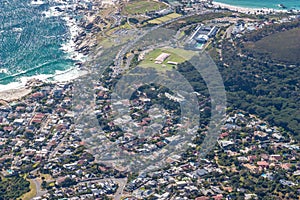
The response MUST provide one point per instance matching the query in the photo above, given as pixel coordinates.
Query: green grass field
(283, 46)
(155, 21)
(142, 6)
(149, 60)
(164, 18)
(174, 15)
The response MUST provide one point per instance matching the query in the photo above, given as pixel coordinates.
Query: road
(39, 191)
(122, 184)
(120, 181)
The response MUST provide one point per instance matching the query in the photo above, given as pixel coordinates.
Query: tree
(68, 182)
(44, 184)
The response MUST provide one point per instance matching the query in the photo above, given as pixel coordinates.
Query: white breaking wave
(59, 76)
(37, 2)
(70, 46)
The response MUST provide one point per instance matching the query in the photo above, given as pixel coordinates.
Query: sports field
(164, 18)
(149, 60)
(142, 6)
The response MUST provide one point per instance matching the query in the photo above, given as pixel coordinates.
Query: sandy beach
(246, 10)
(23, 89)
(14, 94)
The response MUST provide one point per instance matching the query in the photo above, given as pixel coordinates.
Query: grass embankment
(32, 192)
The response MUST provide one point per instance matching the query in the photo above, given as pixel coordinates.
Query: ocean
(35, 40)
(273, 4)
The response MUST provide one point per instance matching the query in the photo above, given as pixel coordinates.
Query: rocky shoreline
(79, 46)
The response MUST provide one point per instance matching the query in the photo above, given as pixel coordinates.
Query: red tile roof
(263, 163)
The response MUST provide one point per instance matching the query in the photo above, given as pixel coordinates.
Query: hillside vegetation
(14, 187)
(282, 47)
(258, 82)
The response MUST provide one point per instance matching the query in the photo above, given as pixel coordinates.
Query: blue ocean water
(30, 42)
(289, 4)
